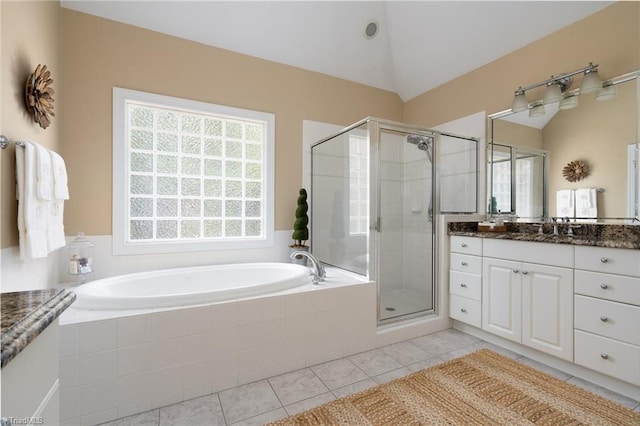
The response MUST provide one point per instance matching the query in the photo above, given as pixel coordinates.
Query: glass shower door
(405, 224)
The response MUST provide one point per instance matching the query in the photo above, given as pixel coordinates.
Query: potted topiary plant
(300, 231)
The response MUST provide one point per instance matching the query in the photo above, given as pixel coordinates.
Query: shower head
(424, 143)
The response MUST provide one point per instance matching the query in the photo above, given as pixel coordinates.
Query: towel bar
(4, 142)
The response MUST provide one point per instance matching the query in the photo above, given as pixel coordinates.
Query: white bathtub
(190, 286)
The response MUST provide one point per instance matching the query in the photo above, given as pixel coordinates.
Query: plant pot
(298, 260)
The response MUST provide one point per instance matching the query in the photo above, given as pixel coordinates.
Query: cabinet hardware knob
(463, 310)
(463, 285)
(463, 244)
(525, 272)
(604, 286)
(516, 271)
(604, 356)
(604, 319)
(464, 263)
(604, 260)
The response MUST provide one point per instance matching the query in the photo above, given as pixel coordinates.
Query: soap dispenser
(80, 257)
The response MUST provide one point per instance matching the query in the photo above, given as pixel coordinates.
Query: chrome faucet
(318, 274)
(555, 225)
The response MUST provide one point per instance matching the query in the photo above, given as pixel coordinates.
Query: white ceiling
(420, 44)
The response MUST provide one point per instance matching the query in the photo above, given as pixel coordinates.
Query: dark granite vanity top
(25, 314)
(585, 234)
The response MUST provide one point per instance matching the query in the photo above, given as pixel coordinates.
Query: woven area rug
(482, 388)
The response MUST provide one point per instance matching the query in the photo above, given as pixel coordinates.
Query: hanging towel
(60, 188)
(32, 212)
(586, 203)
(564, 203)
(44, 174)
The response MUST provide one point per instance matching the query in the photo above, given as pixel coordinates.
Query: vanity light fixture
(556, 85)
(569, 102)
(607, 92)
(537, 109)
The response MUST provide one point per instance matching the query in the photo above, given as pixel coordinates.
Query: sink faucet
(555, 225)
(318, 273)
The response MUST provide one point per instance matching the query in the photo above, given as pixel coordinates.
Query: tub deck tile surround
(269, 400)
(588, 234)
(26, 314)
(157, 357)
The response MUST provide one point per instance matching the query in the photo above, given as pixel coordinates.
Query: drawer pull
(463, 244)
(516, 271)
(464, 263)
(463, 310)
(463, 285)
(525, 272)
(604, 356)
(604, 286)
(604, 319)
(604, 260)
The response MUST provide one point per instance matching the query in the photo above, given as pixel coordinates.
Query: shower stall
(375, 192)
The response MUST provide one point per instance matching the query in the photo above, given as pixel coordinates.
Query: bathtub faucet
(318, 272)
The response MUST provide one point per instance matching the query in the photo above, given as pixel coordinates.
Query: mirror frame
(624, 78)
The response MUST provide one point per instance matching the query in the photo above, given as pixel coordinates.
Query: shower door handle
(376, 225)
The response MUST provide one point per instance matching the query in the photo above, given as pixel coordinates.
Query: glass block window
(358, 185)
(191, 172)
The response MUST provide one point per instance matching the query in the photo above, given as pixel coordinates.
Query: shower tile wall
(458, 175)
(392, 214)
(418, 234)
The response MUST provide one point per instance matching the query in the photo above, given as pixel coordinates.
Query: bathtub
(190, 286)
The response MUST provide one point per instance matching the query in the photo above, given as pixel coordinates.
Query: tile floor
(290, 393)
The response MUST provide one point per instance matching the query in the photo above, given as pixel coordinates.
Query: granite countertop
(26, 314)
(595, 235)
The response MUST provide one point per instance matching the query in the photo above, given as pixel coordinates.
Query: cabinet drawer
(466, 245)
(465, 310)
(609, 319)
(607, 356)
(609, 260)
(466, 285)
(617, 288)
(466, 263)
(524, 251)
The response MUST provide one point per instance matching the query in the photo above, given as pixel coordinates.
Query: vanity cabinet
(30, 385)
(607, 311)
(465, 280)
(526, 302)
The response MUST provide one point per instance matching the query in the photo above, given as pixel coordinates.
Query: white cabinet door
(547, 309)
(502, 298)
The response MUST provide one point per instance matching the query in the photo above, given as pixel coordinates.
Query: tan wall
(99, 54)
(609, 38)
(30, 34)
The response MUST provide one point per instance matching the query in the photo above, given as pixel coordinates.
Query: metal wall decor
(38, 95)
(575, 171)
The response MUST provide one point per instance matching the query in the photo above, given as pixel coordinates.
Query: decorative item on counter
(491, 227)
(575, 171)
(38, 95)
(80, 257)
(300, 231)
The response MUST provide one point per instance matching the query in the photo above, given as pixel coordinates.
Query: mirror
(529, 158)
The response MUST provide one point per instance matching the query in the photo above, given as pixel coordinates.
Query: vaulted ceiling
(419, 45)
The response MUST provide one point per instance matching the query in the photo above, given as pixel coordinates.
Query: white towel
(564, 203)
(586, 203)
(32, 212)
(44, 174)
(60, 188)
